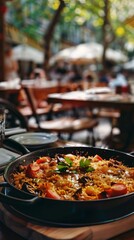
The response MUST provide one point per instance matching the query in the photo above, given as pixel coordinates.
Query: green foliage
(33, 17)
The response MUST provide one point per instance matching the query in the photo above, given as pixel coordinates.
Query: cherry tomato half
(52, 194)
(43, 159)
(97, 158)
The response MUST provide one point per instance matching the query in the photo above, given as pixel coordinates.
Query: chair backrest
(32, 103)
(36, 95)
(13, 117)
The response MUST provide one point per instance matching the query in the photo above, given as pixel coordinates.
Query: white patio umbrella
(87, 53)
(27, 53)
(129, 65)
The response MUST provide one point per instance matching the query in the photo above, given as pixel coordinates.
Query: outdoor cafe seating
(59, 118)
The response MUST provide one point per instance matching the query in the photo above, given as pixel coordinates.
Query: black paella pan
(64, 212)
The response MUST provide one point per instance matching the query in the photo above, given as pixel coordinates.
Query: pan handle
(4, 198)
(15, 146)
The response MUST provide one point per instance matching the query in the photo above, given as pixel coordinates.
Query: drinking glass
(2, 125)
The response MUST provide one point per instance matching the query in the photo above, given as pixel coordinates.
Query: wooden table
(109, 100)
(10, 92)
(40, 84)
(124, 103)
(10, 87)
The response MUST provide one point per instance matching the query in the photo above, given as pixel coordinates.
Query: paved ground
(101, 132)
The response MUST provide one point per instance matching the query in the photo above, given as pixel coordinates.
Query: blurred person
(103, 77)
(59, 71)
(31, 67)
(38, 73)
(89, 79)
(74, 74)
(122, 77)
(90, 76)
(118, 80)
(61, 68)
(11, 65)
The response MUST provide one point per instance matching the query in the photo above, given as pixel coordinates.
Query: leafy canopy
(33, 17)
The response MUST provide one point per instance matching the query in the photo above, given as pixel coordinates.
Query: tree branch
(49, 34)
(55, 19)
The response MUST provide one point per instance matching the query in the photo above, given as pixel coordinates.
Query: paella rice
(74, 177)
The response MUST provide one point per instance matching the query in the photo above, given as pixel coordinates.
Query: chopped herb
(90, 169)
(69, 161)
(85, 165)
(64, 165)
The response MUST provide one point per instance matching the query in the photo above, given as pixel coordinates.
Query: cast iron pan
(62, 212)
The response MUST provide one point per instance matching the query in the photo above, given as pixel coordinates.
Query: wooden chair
(25, 108)
(61, 124)
(40, 100)
(13, 117)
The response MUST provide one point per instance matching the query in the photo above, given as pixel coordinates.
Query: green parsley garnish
(85, 165)
(65, 165)
(69, 161)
